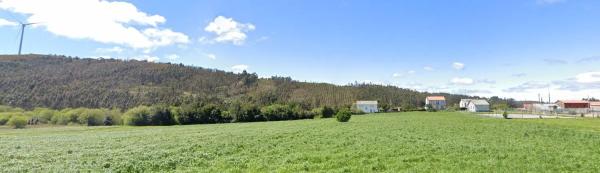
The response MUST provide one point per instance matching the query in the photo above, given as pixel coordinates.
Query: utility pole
(23, 25)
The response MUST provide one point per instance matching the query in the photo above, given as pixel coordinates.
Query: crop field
(394, 142)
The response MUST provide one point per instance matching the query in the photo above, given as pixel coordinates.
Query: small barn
(464, 103)
(478, 106)
(437, 102)
(367, 106)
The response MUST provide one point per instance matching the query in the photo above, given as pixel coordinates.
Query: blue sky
(510, 48)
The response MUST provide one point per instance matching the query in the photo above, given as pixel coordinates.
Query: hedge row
(160, 115)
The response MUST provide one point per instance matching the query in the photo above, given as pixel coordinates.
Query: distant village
(562, 107)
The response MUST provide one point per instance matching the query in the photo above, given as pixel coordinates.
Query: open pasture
(393, 142)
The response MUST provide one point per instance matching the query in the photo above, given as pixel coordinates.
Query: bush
(244, 113)
(67, 116)
(324, 112)
(44, 115)
(137, 116)
(113, 117)
(429, 108)
(161, 115)
(210, 114)
(277, 112)
(343, 115)
(505, 115)
(4, 117)
(186, 114)
(18, 122)
(91, 117)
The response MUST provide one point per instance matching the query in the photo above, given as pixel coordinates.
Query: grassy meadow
(393, 142)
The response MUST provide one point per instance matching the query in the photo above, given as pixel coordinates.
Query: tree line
(161, 115)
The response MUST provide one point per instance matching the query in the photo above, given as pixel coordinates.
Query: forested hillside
(61, 82)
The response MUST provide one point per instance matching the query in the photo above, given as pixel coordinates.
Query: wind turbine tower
(23, 25)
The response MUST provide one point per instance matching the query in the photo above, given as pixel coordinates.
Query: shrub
(244, 113)
(91, 117)
(18, 122)
(44, 115)
(343, 115)
(210, 114)
(137, 116)
(4, 117)
(186, 114)
(161, 115)
(67, 116)
(505, 115)
(429, 108)
(324, 112)
(113, 117)
(277, 112)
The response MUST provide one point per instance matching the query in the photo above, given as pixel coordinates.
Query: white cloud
(527, 86)
(458, 66)
(172, 57)
(486, 81)
(588, 78)
(551, 61)
(239, 68)
(111, 22)
(427, 68)
(462, 81)
(4, 22)
(211, 56)
(229, 30)
(115, 49)
(399, 75)
(146, 58)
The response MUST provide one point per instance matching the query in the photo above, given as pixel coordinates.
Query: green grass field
(395, 142)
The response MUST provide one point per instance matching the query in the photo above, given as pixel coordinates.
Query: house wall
(368, 108)
(595, 108)
(464, 104)
(574, 110)
(437, 104)
(568, 105)
(478, 108)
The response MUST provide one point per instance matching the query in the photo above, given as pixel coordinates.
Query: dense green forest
(60, 82)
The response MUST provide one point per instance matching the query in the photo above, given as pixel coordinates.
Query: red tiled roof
(573, 101)
(436, 98)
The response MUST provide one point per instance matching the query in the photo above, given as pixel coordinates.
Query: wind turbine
(23, 25)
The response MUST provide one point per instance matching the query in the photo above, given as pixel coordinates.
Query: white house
(437, 102)
(367, 106)
(478, 106)
(464, 103)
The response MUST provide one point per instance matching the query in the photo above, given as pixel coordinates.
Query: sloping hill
(60, 82)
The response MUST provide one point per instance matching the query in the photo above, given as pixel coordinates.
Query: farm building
(595, 106)
(528, 105)
(367, 106)
(544, 107)
(573, 106)
(437, 102)
(478, 106)
(464, 103)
